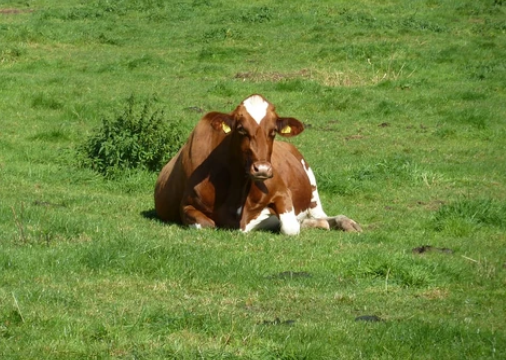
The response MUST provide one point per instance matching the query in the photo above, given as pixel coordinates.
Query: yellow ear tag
(286, 130)
(225, 127)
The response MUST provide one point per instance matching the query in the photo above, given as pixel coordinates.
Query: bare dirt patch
(15, 11)
(355, 137)
(434, 294)
(323, 77)
(432, 205)
(429, 248)
(274, 76)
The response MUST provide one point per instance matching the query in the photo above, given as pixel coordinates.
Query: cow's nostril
(261, 170)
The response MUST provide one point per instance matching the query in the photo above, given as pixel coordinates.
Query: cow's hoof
(315, 223)
(344, 223)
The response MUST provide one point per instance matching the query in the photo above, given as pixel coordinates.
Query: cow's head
(252, 127)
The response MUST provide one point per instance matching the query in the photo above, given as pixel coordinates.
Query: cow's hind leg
(315, 223)
(339, 222)
(344, 223)
(318, 218)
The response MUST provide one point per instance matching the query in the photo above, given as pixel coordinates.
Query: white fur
(264, 221)
(317, 212)
(256, 106)
(290, 225)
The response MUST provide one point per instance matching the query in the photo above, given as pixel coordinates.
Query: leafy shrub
(141, 137)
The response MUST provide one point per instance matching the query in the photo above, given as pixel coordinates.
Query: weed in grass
(445, 132)
(257, 15)
(145, 60)
(472, 96)
(141, 137)
(298, 85)
(475, 117)
(220, 54)
(222, 89)
(56, 135)
(386, 107)
(11, 55)
(45, 101)
(475, 212)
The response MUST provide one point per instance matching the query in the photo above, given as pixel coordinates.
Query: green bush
(141, 137)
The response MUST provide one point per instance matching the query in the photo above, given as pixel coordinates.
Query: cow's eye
(272, 133)
(241, 131)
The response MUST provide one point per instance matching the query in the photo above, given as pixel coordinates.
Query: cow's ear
(289, 127)
(221, 122)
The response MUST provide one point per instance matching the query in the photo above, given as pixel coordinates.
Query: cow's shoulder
(286, 156)
(205, 144)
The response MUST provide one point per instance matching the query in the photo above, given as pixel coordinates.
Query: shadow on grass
(150, 215)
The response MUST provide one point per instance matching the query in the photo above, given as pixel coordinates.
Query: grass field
(404, 103)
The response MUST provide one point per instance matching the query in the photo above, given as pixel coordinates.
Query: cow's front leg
(196, 218)
(289, 224)
(344, 223)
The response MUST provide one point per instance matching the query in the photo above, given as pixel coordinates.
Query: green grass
(404, 107)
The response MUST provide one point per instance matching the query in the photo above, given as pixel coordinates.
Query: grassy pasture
(404, 103)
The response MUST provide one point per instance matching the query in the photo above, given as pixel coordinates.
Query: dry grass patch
(255, 76)
(434, 294)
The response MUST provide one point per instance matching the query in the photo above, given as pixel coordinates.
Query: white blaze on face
(256, 106)
(316, 212)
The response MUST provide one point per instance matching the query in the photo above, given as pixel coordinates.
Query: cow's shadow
(151, 215)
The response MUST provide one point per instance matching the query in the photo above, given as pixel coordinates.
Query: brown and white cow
(231, 173)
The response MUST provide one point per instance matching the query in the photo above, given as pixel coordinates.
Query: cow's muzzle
(261, 170)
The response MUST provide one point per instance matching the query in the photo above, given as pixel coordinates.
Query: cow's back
(169, 189)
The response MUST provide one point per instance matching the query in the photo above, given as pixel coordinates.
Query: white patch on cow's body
(290, 224)
(265, 221)
(287, 223)
(196, 226)
(256, 106)
(316, 212)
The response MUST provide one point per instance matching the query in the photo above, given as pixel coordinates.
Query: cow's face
(253, 126)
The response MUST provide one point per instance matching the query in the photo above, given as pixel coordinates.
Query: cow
(231, 173)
